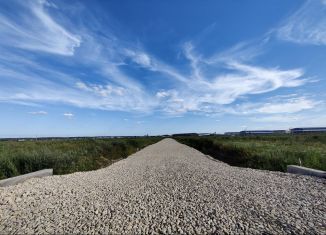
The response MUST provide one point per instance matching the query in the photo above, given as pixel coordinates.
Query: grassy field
(264, 152)
(66, 155)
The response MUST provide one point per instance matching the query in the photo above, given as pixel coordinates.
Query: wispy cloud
(145, 60)
(249, 79)
(194, 60)
(31, 88)
(101, 90)
(243, 51)
(290, 120)
(139, 57)
(210, 84)
(38, 113)
(277, 105)
(28, 80)
(307, 25)
(290, 106)
(205, 91)
(33, 28)
(69, 115)
(284, 118)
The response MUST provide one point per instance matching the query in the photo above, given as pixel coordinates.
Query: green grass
(66, 155)
(264, 152)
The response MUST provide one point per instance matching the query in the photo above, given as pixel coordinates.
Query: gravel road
(166, 188)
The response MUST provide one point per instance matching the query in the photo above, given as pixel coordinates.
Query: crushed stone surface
(166, 188)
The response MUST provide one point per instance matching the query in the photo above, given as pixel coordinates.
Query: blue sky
(78, 68)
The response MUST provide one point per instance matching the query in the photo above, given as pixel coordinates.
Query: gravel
(166, 188)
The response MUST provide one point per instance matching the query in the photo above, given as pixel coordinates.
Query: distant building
(262, 132)
(185, 134)
(205, 134)
(307, 130)
(230, 133)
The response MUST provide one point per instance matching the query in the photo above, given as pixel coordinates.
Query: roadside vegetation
(272, 152)
(65, 155)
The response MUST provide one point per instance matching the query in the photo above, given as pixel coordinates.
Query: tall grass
(264, 152)
(67, 155)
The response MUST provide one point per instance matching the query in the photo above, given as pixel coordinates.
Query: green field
(65, 155)
(68, 155)
(264, 152)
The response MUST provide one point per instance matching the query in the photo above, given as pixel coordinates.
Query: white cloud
(194, 60)
(68, 115)
(248, 79)
(106, 56)
(30, 88)
(151, 63)
(37, 30)
(38, 113)
(102, 90)
(162, 94)
(290, 106)
(286, 121)
(198, 92)
(243, 51)
(204, 91)
(307, 25)
(139, 57)
(276, 105)
(30, 82)
(201, 88)
(277, 118)
(83, 86)
(205, 94)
